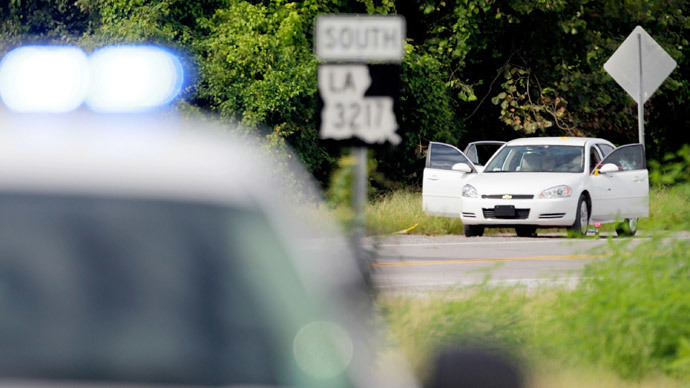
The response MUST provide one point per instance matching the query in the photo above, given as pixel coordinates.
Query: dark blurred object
(475, 367)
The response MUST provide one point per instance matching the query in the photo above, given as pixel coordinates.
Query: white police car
(149, 250)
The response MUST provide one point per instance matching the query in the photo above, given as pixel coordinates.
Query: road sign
(360, 38)
(639, 55)
(640, 66)
(348, 113)
(353, 107)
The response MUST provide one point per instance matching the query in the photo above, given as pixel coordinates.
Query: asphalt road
(409, 262)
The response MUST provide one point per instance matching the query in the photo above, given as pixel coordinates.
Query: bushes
(632, 312)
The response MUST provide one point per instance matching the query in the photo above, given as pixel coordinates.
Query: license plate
(504, 211)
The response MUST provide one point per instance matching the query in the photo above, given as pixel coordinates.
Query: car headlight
(469, 191)
(562, 191)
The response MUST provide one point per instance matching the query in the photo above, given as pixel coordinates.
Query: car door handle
(638, 179)
(433, 177)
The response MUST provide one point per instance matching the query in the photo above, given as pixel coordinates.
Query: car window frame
(594, 165)
(637, 145)
(462, 154)
(603, 153)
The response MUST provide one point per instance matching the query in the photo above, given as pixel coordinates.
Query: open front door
(624, 192)
(441, 185)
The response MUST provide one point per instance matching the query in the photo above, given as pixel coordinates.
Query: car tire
(579, 228)
(627, 228)
(526, 231)
(473, 230)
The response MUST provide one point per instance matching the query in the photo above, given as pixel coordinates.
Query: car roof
(137, 156)
(492, 142)
(570, 141)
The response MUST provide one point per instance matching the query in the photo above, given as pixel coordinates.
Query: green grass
(401, 210)
(628, 320)
(669, 209)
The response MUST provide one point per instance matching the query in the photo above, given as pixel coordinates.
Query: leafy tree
(475, 69)
(256, 67)
(40, 22)
(540, 63)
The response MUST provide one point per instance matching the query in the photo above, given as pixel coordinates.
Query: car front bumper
(540, 212)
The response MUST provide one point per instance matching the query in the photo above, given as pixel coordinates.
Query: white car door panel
(442, 186)
(623, 193)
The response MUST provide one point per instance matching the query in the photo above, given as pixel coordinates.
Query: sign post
(346, 44)
(640, 65)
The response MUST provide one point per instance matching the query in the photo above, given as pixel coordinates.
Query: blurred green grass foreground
(627, 320)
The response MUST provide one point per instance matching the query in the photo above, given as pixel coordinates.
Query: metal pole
(359, 200)
(640, 101)
(360, 182)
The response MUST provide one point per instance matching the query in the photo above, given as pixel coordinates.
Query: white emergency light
(51, 79)
(133, 78)
(58, 79)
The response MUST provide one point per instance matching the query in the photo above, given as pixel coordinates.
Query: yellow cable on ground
(404, 231)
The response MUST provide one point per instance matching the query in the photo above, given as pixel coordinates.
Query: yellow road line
(463, 261)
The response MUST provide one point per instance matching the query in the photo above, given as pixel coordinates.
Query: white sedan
(540, 182)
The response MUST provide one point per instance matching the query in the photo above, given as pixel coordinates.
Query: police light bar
(44, 79)
(58, 79)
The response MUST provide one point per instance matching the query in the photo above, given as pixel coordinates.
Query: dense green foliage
(474, 69)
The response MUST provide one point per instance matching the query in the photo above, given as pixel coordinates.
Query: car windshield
(538, 158)
(142, 291)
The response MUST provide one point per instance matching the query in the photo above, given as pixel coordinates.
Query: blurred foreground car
(540, 182)
(136, 250)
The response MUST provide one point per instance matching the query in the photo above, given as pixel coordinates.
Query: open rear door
(441, 185)
(623, 193)
(479, 152)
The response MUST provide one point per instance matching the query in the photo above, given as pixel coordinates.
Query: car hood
(522, 182)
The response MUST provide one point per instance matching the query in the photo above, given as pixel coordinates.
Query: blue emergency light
(59, 79)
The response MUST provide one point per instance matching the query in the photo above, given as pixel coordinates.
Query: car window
(605, 149)
(538, 158)
(443, 156)
(594, 159)
(137, 291)
(471, 153)
(628, 157)
(479, 154)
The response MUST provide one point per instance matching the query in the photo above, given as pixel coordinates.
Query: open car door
(441, 185)
(621, 185)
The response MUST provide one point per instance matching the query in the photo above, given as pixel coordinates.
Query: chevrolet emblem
(507, 196)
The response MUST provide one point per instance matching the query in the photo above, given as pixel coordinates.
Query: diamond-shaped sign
(640, 49)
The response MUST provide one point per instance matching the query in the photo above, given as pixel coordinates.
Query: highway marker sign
(640, 65)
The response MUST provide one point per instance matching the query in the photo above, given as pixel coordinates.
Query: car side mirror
(608, 168)
(462, 167)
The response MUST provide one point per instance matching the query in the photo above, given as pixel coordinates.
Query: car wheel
(581, 224)
(473, 230)
(526, 231)
(627, 228)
